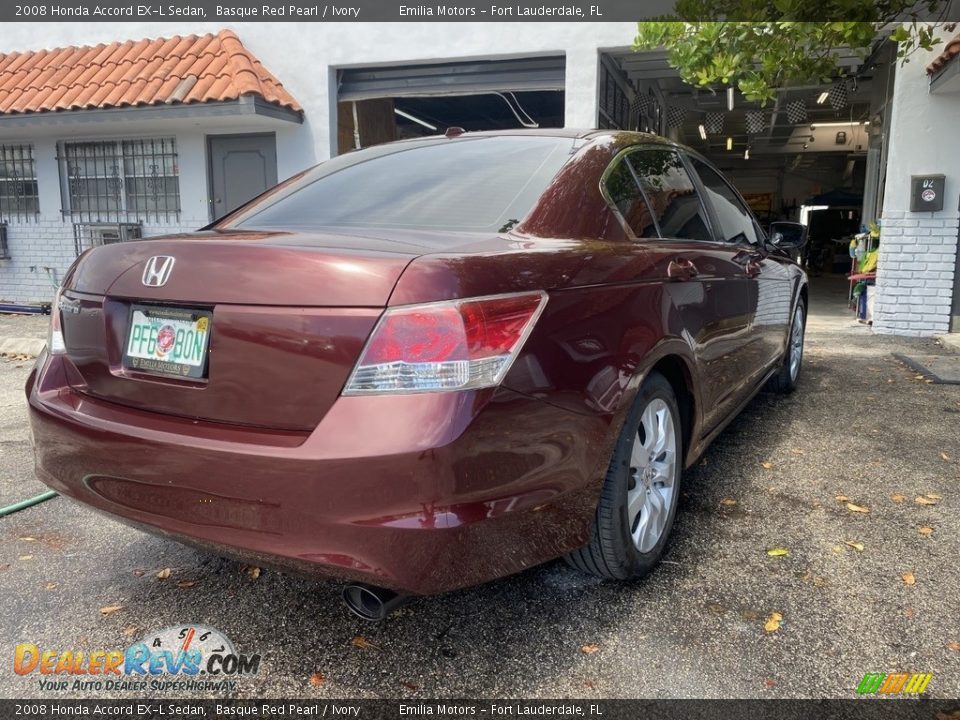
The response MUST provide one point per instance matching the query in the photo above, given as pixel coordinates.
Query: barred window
(120, 179)
(18, 182)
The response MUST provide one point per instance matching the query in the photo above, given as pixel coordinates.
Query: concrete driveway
(857, 592)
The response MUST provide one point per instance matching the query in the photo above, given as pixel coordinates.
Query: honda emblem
(157, 270)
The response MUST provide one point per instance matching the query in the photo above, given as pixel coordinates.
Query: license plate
(169, 341)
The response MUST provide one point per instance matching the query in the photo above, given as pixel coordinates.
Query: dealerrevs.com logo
(180, 658)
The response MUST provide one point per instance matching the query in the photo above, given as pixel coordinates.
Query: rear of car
(254, 389)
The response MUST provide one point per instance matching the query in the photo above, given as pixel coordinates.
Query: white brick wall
(918, 255)
(41, 249)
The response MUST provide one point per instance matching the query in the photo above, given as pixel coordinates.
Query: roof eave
(247, 105)
(946, 78)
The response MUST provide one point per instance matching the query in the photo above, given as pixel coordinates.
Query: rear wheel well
(675, 370)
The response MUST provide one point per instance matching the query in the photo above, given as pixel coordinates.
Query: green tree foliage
(783, 44)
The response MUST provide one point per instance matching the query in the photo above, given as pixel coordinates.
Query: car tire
(785, 381)
(647, 459)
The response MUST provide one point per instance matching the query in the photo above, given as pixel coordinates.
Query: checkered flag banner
(796, 112)
(755, 122)
(675, 116)
(641, 104)
(714, 123)
(838, 95)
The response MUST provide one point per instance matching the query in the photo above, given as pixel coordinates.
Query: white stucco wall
(302, 56)
(918, 251)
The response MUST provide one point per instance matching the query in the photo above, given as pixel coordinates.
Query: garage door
(455, 78)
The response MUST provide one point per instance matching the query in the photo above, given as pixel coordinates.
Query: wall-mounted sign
(926, 193)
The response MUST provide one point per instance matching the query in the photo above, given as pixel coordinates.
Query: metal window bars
(19, 197)
(89, 235)
(120, 180)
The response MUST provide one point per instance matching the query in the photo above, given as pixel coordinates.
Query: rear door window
(624, 192)
(673, 197)
(736, 221)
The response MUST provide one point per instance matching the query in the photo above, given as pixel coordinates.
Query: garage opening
(816, 154)
(385, 103)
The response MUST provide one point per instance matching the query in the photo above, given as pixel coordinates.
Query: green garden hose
(29, 502)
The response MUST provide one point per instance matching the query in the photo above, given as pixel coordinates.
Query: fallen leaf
(589, 649)
(934, 496)
(842, 498)
(925, 530)
(773, 622)
(778, 552)
(253, 571)
(110, 609)
(766, 465)
(837, 549)
(898, 498)
(317, 679)
(164, 574)
(909, 579)
(27, 538)
(770, 683)
(945, 457)
(728, 502)
(796, 451)
(409, 686)
(953, 645)
(138, 572)
(186, 583)
(920, 500)
(129, 631)
(51, 586)
(589, 685)
(857, 508)
(909, 612)
(361, 642)
(858, 546)
(26, 557)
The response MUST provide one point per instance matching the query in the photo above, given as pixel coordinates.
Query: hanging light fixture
(823, 97)
(729, 143)
(703, 132)
(730, 98)
(746, 153)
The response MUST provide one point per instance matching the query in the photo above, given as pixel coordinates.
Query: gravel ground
(860, 426)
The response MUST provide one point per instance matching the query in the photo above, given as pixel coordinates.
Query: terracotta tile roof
(189, 69)
(951, 50)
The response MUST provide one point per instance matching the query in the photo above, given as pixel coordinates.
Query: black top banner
(279, 709)
(426, 11)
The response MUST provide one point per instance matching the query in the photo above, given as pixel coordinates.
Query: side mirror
(788, 235)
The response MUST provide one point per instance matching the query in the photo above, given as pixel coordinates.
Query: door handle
(681, 269)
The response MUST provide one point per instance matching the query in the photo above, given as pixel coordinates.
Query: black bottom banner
(861, 708)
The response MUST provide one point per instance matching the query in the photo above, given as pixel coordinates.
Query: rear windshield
(475, 184)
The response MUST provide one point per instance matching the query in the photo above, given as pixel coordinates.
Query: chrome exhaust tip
(372, 603)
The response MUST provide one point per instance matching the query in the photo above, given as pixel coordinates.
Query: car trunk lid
(288, 315)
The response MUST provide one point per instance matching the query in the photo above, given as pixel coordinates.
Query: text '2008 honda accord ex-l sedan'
(426, 364)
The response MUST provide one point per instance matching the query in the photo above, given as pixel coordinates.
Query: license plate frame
(176, 318)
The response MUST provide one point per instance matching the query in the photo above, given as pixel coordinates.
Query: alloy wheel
(653, 461)
(796, 343)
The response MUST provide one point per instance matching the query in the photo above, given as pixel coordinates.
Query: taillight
(452, 345)
(55, 344)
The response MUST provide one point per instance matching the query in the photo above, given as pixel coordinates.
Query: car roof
(621, 138)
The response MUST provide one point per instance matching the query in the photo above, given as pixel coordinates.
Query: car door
(769, 286)
(705, 286)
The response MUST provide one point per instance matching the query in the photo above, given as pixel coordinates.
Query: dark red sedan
(427, 364)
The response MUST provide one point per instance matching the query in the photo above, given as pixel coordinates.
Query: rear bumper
(419, 493)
